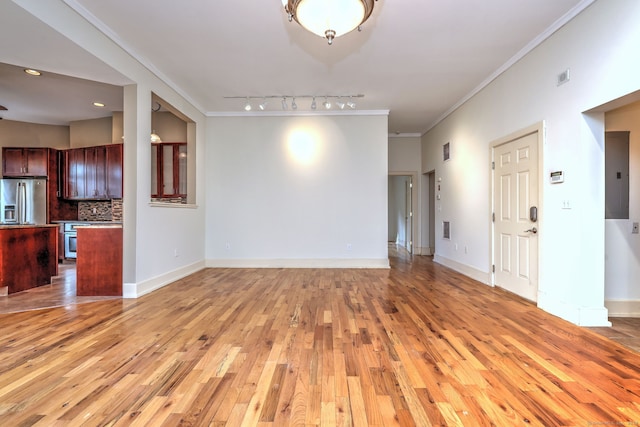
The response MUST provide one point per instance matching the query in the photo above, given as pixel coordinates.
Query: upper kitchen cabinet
(93, 173)
(24, 162)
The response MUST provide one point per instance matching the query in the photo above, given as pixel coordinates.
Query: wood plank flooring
(416, 345)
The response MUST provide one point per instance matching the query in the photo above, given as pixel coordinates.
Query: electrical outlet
(227, 246)
(636, 228)
(175, 252)
(348, 246)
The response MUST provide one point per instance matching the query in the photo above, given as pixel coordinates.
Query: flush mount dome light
(329, 18)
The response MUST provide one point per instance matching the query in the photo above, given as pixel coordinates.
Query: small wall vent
(446, 230)
(563, 77)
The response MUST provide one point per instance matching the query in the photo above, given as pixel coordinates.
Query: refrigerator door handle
(22, 202)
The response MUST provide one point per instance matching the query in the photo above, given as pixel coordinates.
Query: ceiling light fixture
(32, 72)
(98, 104)
(264, 100)
(155, 138)
(329, 18)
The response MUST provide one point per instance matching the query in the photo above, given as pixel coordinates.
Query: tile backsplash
(109, 210)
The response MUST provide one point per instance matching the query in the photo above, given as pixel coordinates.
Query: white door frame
(414, 205)
(540, 129)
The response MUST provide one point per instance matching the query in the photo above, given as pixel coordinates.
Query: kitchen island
(28, 256)
(99, 260)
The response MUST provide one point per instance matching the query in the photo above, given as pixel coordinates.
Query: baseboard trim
(581, 316)
(623, 308)
(136, 290)
(299, 263)
(474, 273)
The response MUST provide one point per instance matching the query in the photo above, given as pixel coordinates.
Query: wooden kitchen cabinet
(25, 162)
(93, 173)
(99, 261)
(169, 170)
(114, 171)
(74, 174)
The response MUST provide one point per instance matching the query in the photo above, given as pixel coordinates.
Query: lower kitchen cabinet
(99, 260)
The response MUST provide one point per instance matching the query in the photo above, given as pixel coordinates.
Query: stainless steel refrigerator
(23, 201)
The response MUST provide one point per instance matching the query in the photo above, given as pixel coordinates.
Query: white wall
(297, 191)
(599, 47)
(152, 235)
(622, 250)
(405, 160)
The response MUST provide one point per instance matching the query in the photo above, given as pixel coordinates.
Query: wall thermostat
(556, 177)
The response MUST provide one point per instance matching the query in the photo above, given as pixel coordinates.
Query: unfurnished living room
(320, 213)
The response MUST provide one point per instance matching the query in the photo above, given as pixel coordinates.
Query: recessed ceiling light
(98, 104)
(32, 72)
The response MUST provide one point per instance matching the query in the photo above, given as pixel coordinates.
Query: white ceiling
(416, 58)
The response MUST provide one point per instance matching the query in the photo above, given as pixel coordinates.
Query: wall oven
(70, 239)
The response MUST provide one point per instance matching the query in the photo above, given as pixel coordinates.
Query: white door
(515, 238)
(408, 229)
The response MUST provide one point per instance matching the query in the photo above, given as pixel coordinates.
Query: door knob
(531, 230)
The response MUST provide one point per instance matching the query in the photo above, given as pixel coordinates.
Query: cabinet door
(12, 162)
(36, 160)
(114, 171)
(95, 173)
(75, 174)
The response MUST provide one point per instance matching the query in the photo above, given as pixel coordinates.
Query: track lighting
(327, 103)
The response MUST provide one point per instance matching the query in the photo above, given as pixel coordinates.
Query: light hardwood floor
(415, 345)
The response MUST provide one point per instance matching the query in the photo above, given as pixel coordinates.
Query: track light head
(313, 103)
(294, 106)
(247, 106)
(284, 103)
(327, 104)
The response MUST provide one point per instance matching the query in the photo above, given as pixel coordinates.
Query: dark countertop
(14, 226)
(79, 221)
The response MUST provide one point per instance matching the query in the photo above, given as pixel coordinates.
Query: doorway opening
(401, 211)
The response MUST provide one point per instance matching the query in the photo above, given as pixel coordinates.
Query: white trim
(474, 273)
(109, 33)
(173, 205)
(575, 11)
(623, 308)
(299, 263)
(296, 113)
(136, 290)
(405, 135)
(581, 316)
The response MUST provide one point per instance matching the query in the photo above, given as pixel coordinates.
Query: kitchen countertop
(14, 226)
(79, 221)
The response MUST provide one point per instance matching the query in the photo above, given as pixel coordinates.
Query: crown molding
(559, 23)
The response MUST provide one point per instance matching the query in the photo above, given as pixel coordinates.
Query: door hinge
(493, 268)
(493, 217)
(493, 165)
